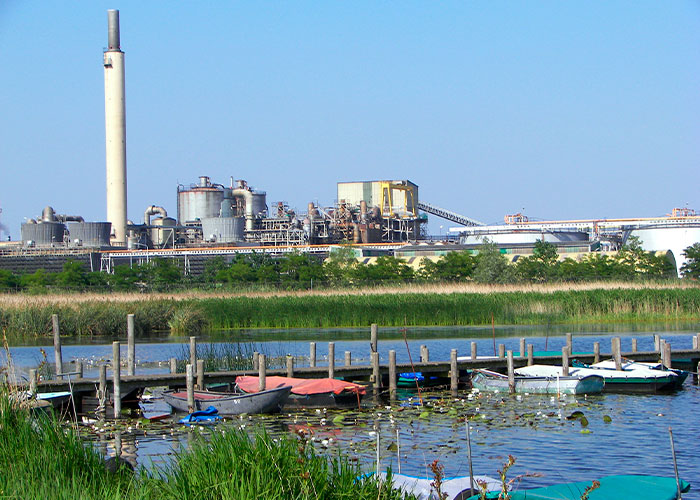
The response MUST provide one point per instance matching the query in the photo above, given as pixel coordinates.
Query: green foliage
(491, 265)
(385, 268)
(453, 266)
(542, 265)
(691, 268)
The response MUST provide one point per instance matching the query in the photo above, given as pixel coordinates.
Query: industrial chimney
(115, 130)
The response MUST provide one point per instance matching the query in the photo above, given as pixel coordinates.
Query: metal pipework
(115, 130)
(48, 214)
(153, 210)
(248, 199)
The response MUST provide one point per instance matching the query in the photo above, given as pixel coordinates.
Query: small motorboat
(309, 393)
(639, 379)
(231, 403)
(410, 380)
(609, 364)
(455, 488)
(488, 381)
(640, 487)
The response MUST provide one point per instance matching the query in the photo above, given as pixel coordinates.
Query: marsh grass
(407, 305)
(40, 459)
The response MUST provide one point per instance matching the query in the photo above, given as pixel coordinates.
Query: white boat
(609, 364)
(455, 487)
(488, 381)
(637, 379)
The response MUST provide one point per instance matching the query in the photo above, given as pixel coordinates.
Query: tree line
(302, 271)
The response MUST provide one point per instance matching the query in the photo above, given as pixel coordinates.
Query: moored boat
(609, 364)
(639, 487)
(453, 488)
(631, 380)
(486, 380)
(227, 403)
(310, 393)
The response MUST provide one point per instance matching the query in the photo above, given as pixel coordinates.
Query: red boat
(310, 393)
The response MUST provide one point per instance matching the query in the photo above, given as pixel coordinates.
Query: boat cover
(301, 386)
(611, 488)
(421, 487)
(208, 416)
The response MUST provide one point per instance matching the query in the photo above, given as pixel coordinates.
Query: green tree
(492, 266)
(72, 277)
(385, 268)
(301, 268)
(453, 266)
(340, 264)
(8, 280)
(541, 265)
(213, 267)
(691, 267)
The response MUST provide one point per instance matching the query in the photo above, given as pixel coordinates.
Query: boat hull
(270, 401)
(489, 382)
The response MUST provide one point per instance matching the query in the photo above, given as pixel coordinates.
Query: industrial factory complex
(223, 217)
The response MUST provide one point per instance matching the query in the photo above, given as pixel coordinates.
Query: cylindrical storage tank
(523, 237)
(42, 234)
(198, 203)
(163, 233)
(259, 203)
(673, 237)
(224, 229)
(89, 234)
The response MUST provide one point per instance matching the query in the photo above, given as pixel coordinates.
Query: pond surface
(625, 434)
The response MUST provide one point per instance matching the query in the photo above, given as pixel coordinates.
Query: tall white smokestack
(115, 129)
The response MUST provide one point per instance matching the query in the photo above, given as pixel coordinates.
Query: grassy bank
(39, 460)
(406, 306)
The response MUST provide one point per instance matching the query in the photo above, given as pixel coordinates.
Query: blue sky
(561, 109)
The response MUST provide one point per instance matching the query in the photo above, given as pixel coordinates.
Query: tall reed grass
(40, 459)
(427, 306)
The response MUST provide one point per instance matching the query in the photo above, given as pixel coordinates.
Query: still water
(534, 429)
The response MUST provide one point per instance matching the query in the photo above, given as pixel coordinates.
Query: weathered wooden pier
(381, 377)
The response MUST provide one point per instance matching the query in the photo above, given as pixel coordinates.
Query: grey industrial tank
(89, 234)
(199, 201)
(42, 234)
(223, 229)
(259, 203)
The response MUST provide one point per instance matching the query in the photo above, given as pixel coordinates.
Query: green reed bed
(193, 315)
(39, 458)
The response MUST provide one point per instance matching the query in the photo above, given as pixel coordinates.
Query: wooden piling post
(290, 365)
(193, 351)
(695, 343)
(130, 345)
(173, 365)
(256, 360)
(348, 358)
(331, 359)
(530, 354)
(200, 374)
(667, 355)
(189, 381)
(116, 379)
(424, 356)
(523, 352)
(634, 345)
(57, 344)
(32, 381)
(454, 372)
(262, 373)
(596, 352)
(473, 351)
(376, 376)
(501, 350)
(511, 373)
(697, 340)
(79, 369)
(374, 334)
(565, 361)
(312, 354)
(102, 388)
(570, 342)
(617, 355)
(657, 343)
(392, 374)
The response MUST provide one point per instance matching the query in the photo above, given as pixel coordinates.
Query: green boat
(611, 488)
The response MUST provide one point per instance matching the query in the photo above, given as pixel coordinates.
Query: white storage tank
(522, 236)
(224, 229)
(163, 233)
(675, 238)
(199, 201)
